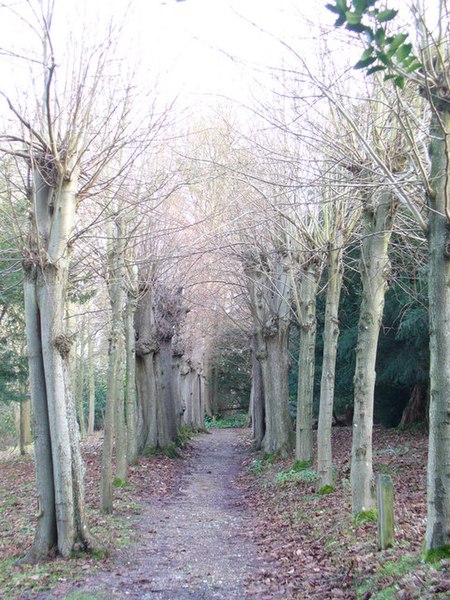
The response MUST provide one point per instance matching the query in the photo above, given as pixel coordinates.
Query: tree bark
(80, 383)
(119, 417)
(59, 469)
(46, 536)
(438, 516)
(91, 383)
(115, 360)
(130, 394)
(310, 274)
(168, 416)
(146, 348)
(257, 400)
(375, 268)
(269, 286)
(330, 341)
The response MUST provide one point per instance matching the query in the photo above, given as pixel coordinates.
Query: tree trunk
(23, 425)
(46, 536)
(177, 389)
(269, 290)
(375, 268)
(80, 383)
(146, 347)
(274, 360)
(416, 409)
(91, 383)
(438, 516)
(130, 394)
(330, 342)
(310, 275)
(119, 417)
(115, 358)
(167, 402)
(59, 470)
(257, 400)
(185, 391)
(214, 391)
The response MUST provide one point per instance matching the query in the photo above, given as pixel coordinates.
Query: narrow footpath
(194, 545)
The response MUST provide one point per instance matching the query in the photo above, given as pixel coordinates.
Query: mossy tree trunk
(309, 280)
(61, 520)
(378, 218)
(438, 516)
(327, 384)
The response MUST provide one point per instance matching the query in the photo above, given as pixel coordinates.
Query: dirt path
(195, 545)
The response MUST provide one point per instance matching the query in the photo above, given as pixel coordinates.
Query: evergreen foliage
(231, 359)
(403, 347)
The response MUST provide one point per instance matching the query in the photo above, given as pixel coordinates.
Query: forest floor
(225, 522)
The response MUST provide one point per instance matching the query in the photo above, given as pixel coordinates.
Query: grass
(365, 516)
(437, 554)
(382, 583)
(120, 483)
(219, 422)
(326, 489)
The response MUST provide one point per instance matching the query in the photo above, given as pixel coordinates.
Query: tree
(393, 56)
(65, 146)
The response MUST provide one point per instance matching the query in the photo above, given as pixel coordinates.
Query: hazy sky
(188, 43)
(185, 45)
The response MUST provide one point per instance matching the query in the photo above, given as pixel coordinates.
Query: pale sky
(188, 43)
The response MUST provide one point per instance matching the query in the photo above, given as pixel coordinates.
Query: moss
(185, 434)
(99, 554)
(326, 489)
(365, 516)
(269, 458)
(301, 465)
(436, 554)
(120, 483)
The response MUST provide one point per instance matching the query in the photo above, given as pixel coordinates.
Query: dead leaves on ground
(313, 547)
(153, 478)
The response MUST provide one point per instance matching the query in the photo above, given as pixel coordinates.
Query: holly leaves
(384, 52)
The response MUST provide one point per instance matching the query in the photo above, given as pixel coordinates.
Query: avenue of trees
(290, 257)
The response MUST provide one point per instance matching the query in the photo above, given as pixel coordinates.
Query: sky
(192, 47)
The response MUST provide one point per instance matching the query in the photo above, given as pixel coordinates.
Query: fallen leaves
(311, 542)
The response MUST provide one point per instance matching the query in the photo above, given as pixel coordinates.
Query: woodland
(279, 266)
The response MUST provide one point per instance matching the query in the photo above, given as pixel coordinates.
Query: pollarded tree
(392, 54)
(269, 284)
(59, 145)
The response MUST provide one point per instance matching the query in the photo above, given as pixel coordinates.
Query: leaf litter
(220, 522)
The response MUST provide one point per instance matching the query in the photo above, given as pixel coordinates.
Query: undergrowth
(219, 422)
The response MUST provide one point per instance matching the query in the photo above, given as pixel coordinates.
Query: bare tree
(65, 145)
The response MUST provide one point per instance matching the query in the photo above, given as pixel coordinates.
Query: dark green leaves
(386, 15)
(384, 52)
(366, 59)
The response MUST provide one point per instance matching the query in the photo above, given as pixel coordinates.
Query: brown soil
(195, 544)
